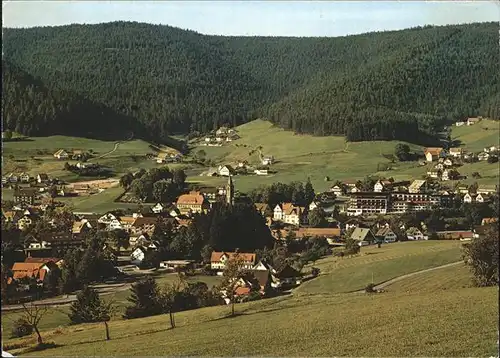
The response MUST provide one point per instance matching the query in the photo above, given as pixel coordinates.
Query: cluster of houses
(261, 275)
(33, 269)
(389, 197)
(469, 122)
(221, 135)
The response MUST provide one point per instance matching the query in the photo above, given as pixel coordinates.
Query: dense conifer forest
(158, 80)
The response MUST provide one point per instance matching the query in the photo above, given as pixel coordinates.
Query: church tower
(230, 191)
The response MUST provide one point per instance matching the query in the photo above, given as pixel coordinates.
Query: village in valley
(196, 191)
(302, 225)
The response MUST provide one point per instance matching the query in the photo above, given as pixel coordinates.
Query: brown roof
(456, 150)
(194, 197)
(42, 260)
(383, 231)
(216, 256)
(127, 219)
(433, 151)
(144, 221)
(240, 291)
(24, 269)
(454, 235)
(289, 208)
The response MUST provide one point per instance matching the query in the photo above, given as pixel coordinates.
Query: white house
(114, 224)
(480, 198)
(455, 152)
(261, 171)
(288, 213)
(472, 121)
(42, 178)
(483, 156)
(106, 219)
(467, 198)
(445, 175)
(448, 162)
(61, 154)
(386, 234)
(459, 124)
(414, 233)
(267, 160)
(24, 177)
(226, 170)
(218, 260)
(158, 208)
(137, 255)
(378, 187)
(337, 190)
(313, 205)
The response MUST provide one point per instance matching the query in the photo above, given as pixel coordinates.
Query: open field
(57, 316)
(399, 324)
(301, 156)
(430, 314)
(35, 155)
(449, 278)
(391, 260)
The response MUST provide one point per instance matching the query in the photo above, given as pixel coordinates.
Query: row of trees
(157, 184)
(295, 192)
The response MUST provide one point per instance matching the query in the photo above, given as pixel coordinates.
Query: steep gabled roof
(193, 198)
(216, 256)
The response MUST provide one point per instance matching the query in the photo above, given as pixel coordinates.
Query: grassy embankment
(423, 315)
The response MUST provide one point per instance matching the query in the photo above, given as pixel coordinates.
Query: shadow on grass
(40, 347)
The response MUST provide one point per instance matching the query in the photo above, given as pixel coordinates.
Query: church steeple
(230, 191)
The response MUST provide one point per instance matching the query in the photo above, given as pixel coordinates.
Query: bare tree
(170, 294)
(33, 314)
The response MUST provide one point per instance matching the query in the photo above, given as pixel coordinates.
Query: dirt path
(117, 144)
(383, 285)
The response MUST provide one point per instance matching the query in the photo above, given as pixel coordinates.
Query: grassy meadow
(301, 156)
(430, 314)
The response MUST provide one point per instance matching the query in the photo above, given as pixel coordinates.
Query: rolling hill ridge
(376, 86)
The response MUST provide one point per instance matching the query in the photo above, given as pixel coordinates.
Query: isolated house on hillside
(432, 154)
(61, 154)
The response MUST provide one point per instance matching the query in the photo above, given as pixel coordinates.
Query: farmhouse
(487, 189)
(456, 152)
(261, 171)
(483, 156)
(45, 260)
(158, 208)
(330, 234)
(42, 178)
(194, 202)
(454, 235)
(468, 198)
(267, 160)
(138, 255)
(378, 187)
(362, 234)
(80, 227)
(144, 225)
(472, 121)
(417, 186)
(226, 170)
(386, 234)
(61, 154)
(337, 190)
(432, 154)
(218, 259)
(414, 233)
(289, 213)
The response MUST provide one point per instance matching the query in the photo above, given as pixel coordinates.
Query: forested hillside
(30, 108)
(399, 84)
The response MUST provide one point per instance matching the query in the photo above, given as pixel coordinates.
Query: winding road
(107, 289)
(383, 285)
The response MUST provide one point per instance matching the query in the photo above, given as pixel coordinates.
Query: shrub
(315, 271)
(370, 288)
(21, 328)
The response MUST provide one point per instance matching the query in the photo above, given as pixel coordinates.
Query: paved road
(103, 290)
(404, 277)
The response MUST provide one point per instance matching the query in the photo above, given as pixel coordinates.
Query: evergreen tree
(145, 298)
(309, 192)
